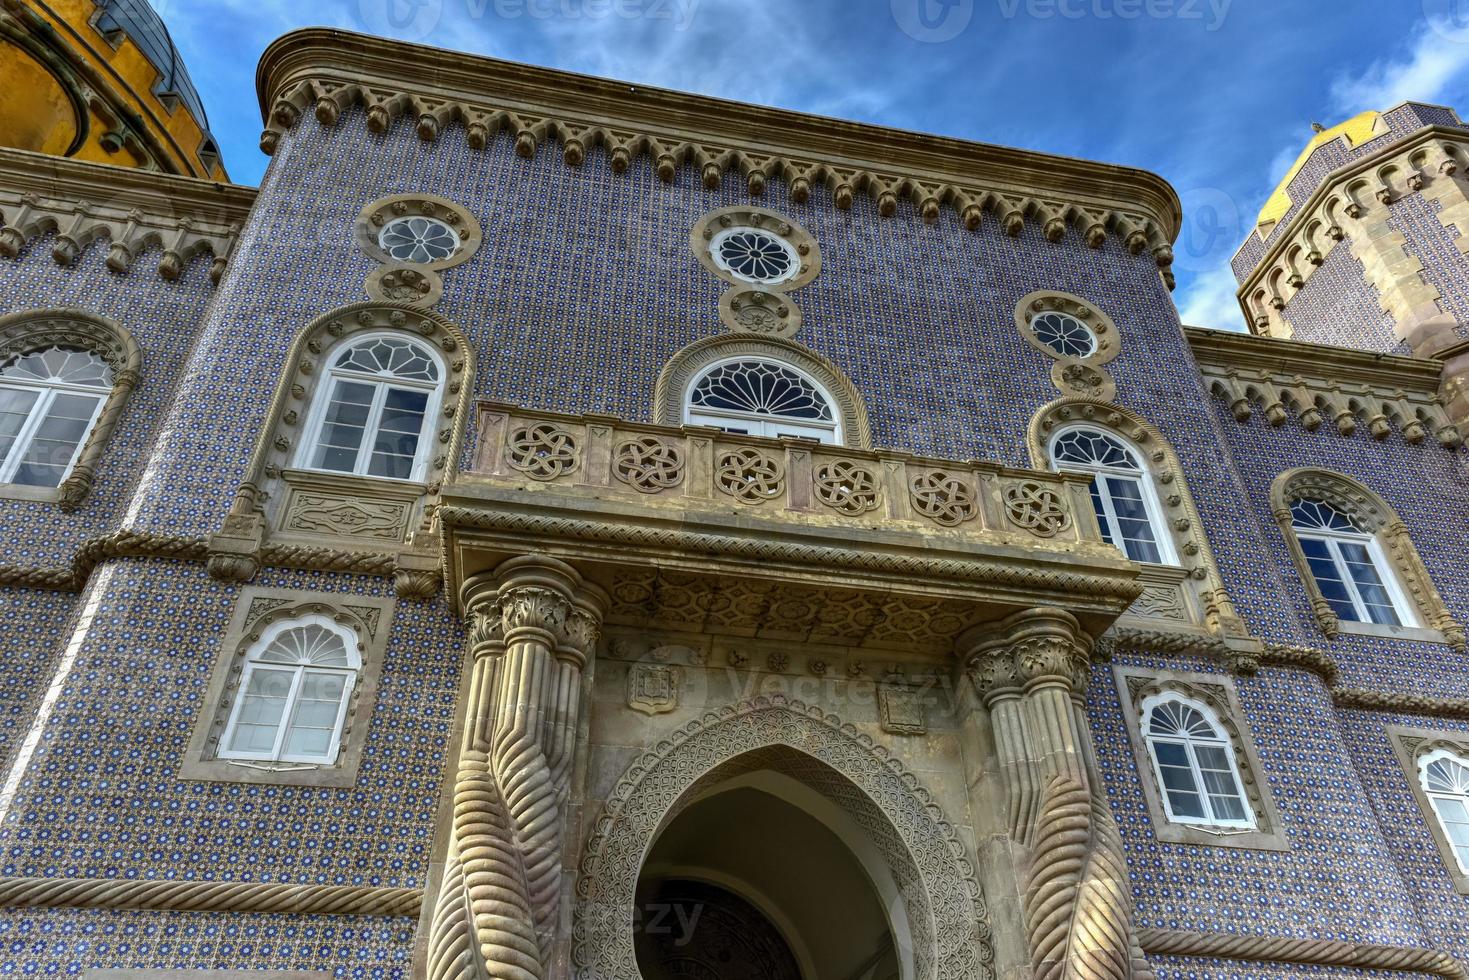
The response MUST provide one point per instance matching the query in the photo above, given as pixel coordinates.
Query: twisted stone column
(533, 626)
(1031, 672)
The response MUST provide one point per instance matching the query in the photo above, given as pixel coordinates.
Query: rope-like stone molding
(1318, 952)
(1289, 655)
(1409, 704)
(208, 896)
(764, 551)
(144, 544)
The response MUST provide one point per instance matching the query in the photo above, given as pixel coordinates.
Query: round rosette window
(1064, 334)
(418, 239)
(755, 255)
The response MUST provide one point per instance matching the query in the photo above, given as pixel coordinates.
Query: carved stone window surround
(379, 213)
(369, 618)
(1102, 326)
(1134, 686)
(235, 549)
(1410, 745)
(1179, 511)
(317, 505)
(30, 330)
(686, 365)
(1376, 517)
(772, 223)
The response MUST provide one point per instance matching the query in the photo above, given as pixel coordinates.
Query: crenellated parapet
(1352, 205)
(131, 210)
(325, 73)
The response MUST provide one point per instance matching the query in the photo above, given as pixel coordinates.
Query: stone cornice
(1319, 384)
(326, 71)
(133, 209)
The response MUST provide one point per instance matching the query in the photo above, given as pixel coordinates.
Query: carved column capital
(583, 626)
(1037, 647)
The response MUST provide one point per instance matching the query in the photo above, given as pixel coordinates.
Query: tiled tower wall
(1339, 306)
(583, 289)
(1306, 746)
(163, 317)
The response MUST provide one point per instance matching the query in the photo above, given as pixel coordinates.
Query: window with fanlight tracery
(293, 693)
(49, 401)
(763, 398)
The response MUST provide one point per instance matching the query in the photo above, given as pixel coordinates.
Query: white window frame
(351, 673)
(1406, 612)
(1434, 796)
(1143, 477)
(322, 398)
(769, 426)
(46, 392)
(1221, 739)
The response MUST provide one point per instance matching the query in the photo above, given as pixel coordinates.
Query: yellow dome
(1357, 130)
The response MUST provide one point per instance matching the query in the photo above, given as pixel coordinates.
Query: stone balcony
(693, 529)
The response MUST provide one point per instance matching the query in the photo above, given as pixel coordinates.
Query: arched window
(1122, 491)
(49, 401)
(1445, 780)
(761, 398)
(1348, 566)
(1194, 763)
(372, 413)
(293, 693)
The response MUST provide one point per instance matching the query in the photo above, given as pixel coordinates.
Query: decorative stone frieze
(1313, 952)
(783, 539)
(134, 210)
(327, 72)
(1325, 388)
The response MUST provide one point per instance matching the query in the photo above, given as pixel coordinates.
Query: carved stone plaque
(652, 689)
(901, 710)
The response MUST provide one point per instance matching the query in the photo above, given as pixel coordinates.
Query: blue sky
(1218, 96)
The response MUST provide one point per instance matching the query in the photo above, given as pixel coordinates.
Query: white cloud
(1437, 58)
(1208, 300)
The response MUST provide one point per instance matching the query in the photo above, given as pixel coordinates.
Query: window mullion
(288, 711)
(1105, 495)
(1345, 571)
(1191, 750)
(27, 432)
(369, 433)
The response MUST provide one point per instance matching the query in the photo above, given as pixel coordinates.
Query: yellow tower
(100, 80)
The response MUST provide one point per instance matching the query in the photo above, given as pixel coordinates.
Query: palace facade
(557, 528)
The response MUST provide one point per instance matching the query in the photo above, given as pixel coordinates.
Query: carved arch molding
(33, 330)
(683, 367)
(928, 861)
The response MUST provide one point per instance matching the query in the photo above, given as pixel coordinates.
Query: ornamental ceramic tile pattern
(558, 656)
